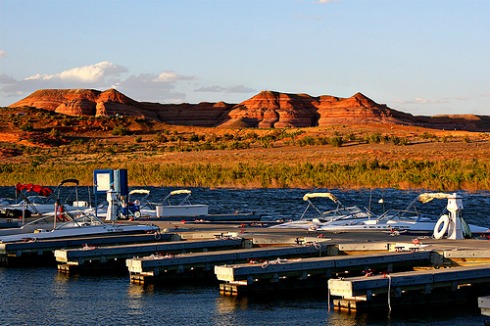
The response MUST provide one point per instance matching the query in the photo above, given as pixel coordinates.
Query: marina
(249, 260)
(358, 271)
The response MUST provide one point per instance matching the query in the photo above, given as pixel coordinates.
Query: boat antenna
(89, 197)
(369, 204)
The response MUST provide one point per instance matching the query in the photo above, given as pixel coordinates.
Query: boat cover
(321, 195)
(43, 191)
(180, 192)
(139, 191)
(427, 197)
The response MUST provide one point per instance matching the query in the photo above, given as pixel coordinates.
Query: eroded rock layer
(268, 109)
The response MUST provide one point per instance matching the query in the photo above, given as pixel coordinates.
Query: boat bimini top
(328, 214)
(185, 200)
(427, 197)
(328, 195)
(139, 191)
(142, 201)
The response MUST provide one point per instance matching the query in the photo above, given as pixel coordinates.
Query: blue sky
(423, 57)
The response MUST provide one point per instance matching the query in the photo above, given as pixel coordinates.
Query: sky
(424, 57)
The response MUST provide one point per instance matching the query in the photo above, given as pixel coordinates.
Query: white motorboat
(409, 220)
(340, 215)
(42, 202)
(168, 207)
(176, 206)
(83, 225)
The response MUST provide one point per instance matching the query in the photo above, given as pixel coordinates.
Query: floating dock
(161, 269)
(35, 252)
(113, 257)
(484, 305)
(281, 274)
(407, 289)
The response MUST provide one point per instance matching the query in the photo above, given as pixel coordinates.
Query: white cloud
(93, 73)
(327, 1)
(40, 77)
(152, 87)
(166, 77)
(232, 89)
(86, 74)
(165, 87)
(421, 100)
(101, 75)
(170, 77)
(3, 53)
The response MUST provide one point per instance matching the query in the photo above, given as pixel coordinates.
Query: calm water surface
(41, 296)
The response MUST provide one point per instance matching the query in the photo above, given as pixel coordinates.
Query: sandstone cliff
(268, 109)
(277, 110)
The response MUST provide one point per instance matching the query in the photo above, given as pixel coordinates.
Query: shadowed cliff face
(267, 109)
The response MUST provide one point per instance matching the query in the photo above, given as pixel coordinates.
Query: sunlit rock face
(268, 109)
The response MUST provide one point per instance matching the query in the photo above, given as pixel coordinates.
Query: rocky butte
(268, 109)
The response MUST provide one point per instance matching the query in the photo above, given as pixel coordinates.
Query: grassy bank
(444, 175)
(44, 147)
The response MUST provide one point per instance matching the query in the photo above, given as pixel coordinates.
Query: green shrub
(120, 131)
(336, 141)
(27, 127)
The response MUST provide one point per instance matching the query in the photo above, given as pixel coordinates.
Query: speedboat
(143, 208)
(340, 215)
(175, 206)
(42, 200)
(83, 225)
(408, 220)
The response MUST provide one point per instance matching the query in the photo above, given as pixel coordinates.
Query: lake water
(42, 296)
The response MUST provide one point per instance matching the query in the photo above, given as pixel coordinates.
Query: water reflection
(135, 298)
(228, 304)
(339, 319)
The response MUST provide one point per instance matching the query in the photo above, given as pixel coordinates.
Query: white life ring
(441, 226)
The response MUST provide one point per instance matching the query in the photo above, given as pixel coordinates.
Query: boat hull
(80, 231)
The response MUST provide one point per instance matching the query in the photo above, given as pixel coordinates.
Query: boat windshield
(407, 215)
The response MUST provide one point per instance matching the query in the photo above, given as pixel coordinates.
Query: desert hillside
(267, 109)
(271, 140)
